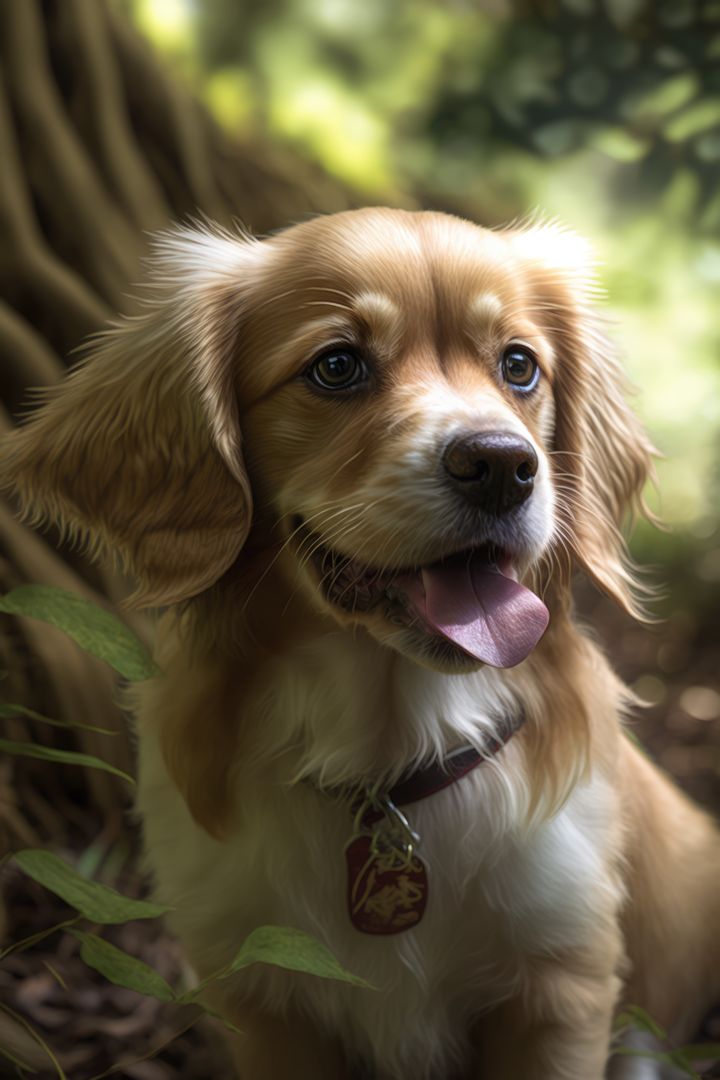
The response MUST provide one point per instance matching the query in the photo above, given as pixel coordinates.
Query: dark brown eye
(340, 369)
(520, 369)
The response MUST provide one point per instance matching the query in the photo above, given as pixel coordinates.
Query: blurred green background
(602, 113)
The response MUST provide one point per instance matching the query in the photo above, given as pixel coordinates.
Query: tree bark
(99, 145)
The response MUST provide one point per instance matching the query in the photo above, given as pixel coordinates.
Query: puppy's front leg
(559, 1030)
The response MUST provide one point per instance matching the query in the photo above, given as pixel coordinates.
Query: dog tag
(387, 889)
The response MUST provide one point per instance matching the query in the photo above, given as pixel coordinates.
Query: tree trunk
(98, 146)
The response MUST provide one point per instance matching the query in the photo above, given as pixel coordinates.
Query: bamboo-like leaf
(63, 757)
(634, 1016)
(94, 629)
(227, 1024)
(9, 711)
(701, 1051)
(665, 1057)
(34, 939)
(20, 1066)
(93, 900)
(121, 968)
(681, 1061)
(292, 949)
(55, 974)
(123, 1065)
(37, 1037)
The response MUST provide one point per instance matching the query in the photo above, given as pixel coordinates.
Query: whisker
(280, 551)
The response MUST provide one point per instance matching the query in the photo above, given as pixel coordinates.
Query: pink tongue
(472, 603)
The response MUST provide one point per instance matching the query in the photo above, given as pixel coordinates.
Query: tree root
(27, 359)
(73, 202)
(165, 117)
(98, 108)
(97, 144)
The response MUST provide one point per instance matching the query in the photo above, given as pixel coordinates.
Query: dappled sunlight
(335, 126)
(415, 103)
(168, 23)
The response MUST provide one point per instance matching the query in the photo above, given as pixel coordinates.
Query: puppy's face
(423, 415)
(398, 417)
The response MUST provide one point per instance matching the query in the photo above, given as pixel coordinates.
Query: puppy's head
(431, 419)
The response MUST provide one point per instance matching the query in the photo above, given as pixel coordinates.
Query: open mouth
(472, 599)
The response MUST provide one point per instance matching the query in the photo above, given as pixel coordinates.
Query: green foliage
(559, 74)
(634, 1016)
(63, 757)
(707, 1051)
(97, 631)
(59, 1072)
(681, 1058)
(293, 950)
(281, 946)
(122, 969)
(96, 902)
(9, 711)
(104, 636)
(604, 114)
(436, 90)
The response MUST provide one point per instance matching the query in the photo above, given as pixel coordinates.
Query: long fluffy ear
(602, 457)
(138, 452)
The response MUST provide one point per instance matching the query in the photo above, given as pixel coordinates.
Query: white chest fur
(499, 891)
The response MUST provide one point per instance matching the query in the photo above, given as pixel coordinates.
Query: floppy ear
(602, 457)
(138, 452)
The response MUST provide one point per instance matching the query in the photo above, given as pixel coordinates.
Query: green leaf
(662, 1056)
(121, 968)
(124, 1067)
(97, 631)
(20, 1066)
(634, 1016)
(33, 939)
(65, 757)
(620, 144)
(680, 1060)
(698, 117)
(701, 1051)
(292, 949)
(10, 711)
(664, 98)
(227, 1024)
(93, 900)
(37, 1037)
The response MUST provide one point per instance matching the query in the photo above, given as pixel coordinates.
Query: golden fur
(267, 685)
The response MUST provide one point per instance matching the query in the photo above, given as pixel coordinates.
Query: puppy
(357, 463)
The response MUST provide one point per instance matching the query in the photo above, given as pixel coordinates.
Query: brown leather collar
(422, 783)
(442, 774)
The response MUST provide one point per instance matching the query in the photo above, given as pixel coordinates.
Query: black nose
(494, 470)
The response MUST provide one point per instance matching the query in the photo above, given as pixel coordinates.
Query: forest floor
(93, 1026)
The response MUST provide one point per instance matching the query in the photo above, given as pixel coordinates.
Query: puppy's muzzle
(493, 470)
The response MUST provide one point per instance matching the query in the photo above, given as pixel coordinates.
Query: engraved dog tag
(387, 890)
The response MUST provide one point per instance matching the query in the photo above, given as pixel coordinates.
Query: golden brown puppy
(359, 585)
